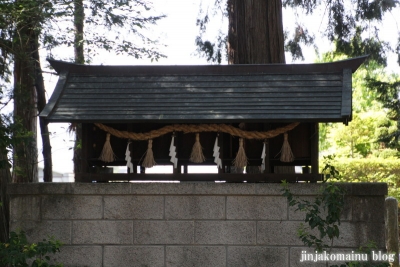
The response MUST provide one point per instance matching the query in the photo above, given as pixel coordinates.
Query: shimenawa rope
(223, 128)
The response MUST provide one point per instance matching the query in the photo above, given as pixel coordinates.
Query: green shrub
(386, 170)
(17, 252)
(387, 153)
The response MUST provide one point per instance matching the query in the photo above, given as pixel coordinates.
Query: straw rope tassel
(148, 161)
(241, 159)
(286, 151)
(197, 151)
(107, 154)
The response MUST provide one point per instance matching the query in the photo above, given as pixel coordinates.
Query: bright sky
(177, 32)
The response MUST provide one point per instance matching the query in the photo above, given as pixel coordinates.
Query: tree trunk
(41, 102)
(25, 157)
(5, 178)
(25, 160)
(255, 32)
(255, 36)
(79, 17)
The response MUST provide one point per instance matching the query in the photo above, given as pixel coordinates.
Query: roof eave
(337, 66)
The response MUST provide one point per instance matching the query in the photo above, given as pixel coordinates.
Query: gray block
(304, 189)
(133, 256)
(369, 189)
(162, 188)
(24, 189)
(56, 188)
(163, 232)
(354, 235)
(194, 207)
(71, 207)
(225, 232)
(369, 208)
(278, 233)
(101, 188)
(298, 215)
(79, 256)
(270, 189)
(195, 256)
(133, 207)
(225, 188)
(257, 256)
(256, 208)
(102, 232)
(25, 208)
(37, 231)
(307, 189)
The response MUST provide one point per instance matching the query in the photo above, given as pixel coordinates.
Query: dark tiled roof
(232, 93)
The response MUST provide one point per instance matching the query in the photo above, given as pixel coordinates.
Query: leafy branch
(17, 251)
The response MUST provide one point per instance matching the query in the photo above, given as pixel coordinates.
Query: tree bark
(255, 33)
(79, 17)
(41, 102)
(255, 36)
(5, 178)
(25, 158)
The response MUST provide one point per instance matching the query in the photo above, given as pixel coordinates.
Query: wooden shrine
(229, 108)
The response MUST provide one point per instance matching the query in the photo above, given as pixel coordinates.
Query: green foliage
(385, 170)
(322, 214)
(112, 25)
(329, 169)
(11, 134)
(17, 252)
(388, 90)
(348, 23)
(324, 141)
(212, 50)
(368, 133)
(375, 125)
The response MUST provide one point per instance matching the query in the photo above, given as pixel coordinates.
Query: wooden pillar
(267, 127)
(176, 170)
(267, 158)
(178, 145)
(84, 167)
(314, 147)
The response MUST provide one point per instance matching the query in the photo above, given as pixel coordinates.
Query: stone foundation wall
(185, 224)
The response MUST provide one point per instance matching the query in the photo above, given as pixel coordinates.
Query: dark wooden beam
(314, 148)
(228, 177)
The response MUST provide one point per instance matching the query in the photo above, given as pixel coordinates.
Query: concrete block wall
(185, 224)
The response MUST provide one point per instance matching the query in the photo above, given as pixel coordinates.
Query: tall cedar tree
(79, 58)
(352, 25)
(20, 27)
(28, 88)
(255, 33)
